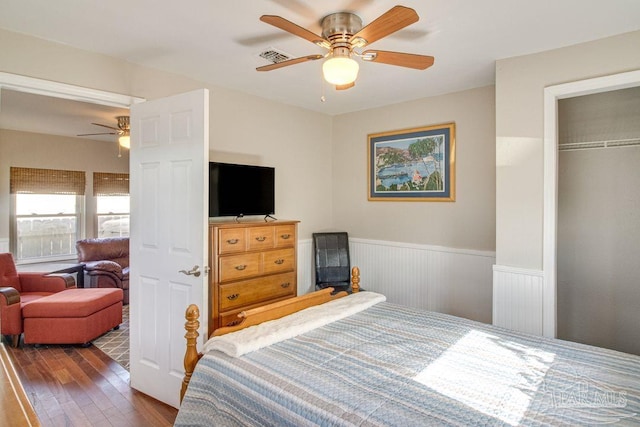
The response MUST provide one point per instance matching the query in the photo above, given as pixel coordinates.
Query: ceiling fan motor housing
(123, 122)
(338, 28)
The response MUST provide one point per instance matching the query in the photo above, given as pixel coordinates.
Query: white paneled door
(168, 250)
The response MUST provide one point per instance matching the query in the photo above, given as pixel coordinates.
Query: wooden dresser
(252, 264)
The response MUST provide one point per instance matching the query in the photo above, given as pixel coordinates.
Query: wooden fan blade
(91, 134)
(345, 87)
(389, 22)
(296, 30)
(289, 62)
(410, 60)
(297, 7)
(105, 126)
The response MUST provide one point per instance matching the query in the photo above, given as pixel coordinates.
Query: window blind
(110, 184)
(46, 181)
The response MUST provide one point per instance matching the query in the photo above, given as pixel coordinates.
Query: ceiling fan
(122, 131)
(342, 35)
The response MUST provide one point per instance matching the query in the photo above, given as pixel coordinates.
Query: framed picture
(413, 164)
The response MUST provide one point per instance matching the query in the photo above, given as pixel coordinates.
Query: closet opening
(598, 222)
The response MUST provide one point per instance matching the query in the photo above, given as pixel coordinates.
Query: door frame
(66, 91)
(550, 214)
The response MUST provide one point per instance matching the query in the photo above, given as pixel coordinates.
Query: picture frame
(415, 165)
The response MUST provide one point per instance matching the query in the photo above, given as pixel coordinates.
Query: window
(47, 213)
(111, 191)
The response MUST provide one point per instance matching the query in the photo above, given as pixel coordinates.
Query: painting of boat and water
(413, 164)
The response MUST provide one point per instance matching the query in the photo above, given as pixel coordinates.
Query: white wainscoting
(453, 281)
(517, 299)
(4, 245)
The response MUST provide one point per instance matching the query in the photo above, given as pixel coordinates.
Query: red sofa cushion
(27, 297)
(72, 303)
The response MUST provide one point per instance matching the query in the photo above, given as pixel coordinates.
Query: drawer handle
(233, 297)
(261, 238)
(232, 241)
(279, 261)
(241, 267)
(286, 236)
(285, 285)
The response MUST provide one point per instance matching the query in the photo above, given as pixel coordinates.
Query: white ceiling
(56, 116)
(217, 42)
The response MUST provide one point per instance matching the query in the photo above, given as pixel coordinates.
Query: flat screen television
(239, 190)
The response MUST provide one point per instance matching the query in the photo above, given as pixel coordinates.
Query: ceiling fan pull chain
(322, 98)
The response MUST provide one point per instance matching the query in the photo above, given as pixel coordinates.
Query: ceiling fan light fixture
(125, 140)
(340, 70)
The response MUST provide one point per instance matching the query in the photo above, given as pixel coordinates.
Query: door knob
(195, 271)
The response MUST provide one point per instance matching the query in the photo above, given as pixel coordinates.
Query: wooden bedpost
(191, 355)
(355, 279)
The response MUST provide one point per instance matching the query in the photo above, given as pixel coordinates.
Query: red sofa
(49, 309)
(106, 262)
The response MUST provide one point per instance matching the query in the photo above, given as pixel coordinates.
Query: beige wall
(294, 141)
(520, 84)
(34, 150)
(467, 223)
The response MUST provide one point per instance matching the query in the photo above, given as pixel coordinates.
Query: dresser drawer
(253, 263)
(234, 267)
(231, 240)
(260, 238)
(285, 236)
(229, 318)
(278, 261)
(247, 292)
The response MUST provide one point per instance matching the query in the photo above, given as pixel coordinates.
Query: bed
(382, 364)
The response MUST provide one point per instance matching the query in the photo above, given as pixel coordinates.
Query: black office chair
(331, 254)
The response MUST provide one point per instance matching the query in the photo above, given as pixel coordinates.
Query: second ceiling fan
(342, 35)
(123, 131)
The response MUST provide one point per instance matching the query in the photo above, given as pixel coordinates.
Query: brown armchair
(106, 262)
(19, 289)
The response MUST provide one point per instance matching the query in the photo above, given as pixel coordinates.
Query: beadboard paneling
(517, 299)
(446, 280)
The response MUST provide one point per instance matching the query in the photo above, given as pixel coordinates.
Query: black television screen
(239, 190)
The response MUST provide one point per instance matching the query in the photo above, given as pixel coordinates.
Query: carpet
(115, 344)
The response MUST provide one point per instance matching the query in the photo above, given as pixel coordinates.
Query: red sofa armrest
(11, 296)
(10, 311)
(38, 282)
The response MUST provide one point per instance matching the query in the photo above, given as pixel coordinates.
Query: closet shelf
(599, 144)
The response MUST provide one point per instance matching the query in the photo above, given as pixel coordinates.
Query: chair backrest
(8, 272)
(114, 249)
(331, 251)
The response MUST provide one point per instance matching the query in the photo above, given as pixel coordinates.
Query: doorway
(599, 219)
(51, 142)
(552, 95)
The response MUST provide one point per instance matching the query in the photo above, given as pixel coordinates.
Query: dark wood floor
(75, 386)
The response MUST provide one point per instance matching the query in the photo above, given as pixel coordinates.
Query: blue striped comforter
(398, 366)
